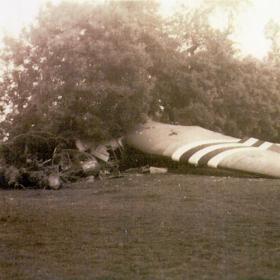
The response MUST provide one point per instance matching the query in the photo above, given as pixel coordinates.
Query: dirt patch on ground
(143, 227)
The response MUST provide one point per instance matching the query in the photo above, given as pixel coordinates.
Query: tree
(217, 89)
(272, 32)
(80, 71)
(94, 71)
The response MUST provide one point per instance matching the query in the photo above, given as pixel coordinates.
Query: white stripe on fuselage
(250, 141)
(216, 160)
(265, 145)
(183, 149)
(194, 159)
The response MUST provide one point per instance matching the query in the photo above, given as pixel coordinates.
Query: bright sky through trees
(249, 34)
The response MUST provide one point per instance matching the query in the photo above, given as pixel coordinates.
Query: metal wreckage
(188, 146)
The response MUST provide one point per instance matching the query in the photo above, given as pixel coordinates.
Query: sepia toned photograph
(139, 140)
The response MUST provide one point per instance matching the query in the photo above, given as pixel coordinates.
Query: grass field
(168, 226)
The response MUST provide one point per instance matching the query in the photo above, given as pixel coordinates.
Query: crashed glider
(204, 148)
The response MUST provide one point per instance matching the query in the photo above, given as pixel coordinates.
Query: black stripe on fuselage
(187, 155)
(204, 160)
(243, 140)
(258, 143)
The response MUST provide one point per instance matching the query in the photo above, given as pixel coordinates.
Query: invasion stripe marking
(266, 145)
(250, 141)
(203, 161)
(194, 155)
(215, 161)
(258, 143)
(186, 156)
(181, 150)
(212, 152)
(200, 152)
(208, 152)
(244, 140)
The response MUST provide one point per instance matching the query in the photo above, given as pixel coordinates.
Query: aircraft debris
(91, 167)
(157, 170)
(54, 181)
(147, 169)
(101, 152)
(43, 161)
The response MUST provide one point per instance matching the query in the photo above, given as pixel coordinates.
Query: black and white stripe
(212, 152)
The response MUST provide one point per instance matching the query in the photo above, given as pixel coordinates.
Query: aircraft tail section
(204, 148)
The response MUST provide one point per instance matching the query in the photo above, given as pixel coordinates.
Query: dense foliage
(81, 71)
(94, 71)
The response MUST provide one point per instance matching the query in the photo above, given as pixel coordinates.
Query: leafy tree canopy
(94, 71)
(81, 70)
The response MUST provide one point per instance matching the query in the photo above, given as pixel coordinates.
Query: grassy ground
(143, 227)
